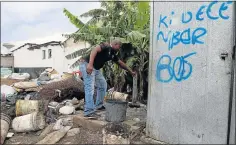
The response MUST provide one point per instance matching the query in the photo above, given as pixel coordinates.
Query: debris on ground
(42, 111)
(55, 136)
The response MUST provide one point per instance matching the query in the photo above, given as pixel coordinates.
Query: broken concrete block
(66, 110)
(73, 132)
(46, 131)
(55, 136)
(68, 121)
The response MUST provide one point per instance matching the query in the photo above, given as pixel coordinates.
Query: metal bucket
(5, 123)
(31, 122)
(24, 107)
(113, 95)
(115, 110)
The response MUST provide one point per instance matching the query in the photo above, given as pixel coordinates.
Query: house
(7, 59)
(34, 58)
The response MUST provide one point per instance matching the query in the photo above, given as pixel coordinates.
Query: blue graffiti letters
(182, 72)
(224, 7)
(199, 13)
(185, 37)
(161, 67)
(195, 37)
(162, 21)
(209, 11)
(184, 20)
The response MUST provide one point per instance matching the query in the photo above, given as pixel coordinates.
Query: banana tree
(128, 21)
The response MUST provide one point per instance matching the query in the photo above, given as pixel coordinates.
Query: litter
(30, 122)
(6, 91)
(19, 76)
(5, 123)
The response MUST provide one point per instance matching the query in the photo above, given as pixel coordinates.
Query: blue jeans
(90, 80)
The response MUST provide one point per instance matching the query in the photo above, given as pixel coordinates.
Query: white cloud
(22, 21)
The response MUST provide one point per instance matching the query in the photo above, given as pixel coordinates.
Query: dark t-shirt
(106, 54)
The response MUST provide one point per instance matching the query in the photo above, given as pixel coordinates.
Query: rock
(73, 132)
(63, 122)
(74, 101)
(55, 136)
(58, 125)
(66, 110)
(69, 104)
(46, 131)
(136, 119)
(10, 134)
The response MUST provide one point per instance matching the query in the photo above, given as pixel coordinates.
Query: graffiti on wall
(179, 68)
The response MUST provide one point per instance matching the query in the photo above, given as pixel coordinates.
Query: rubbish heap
(30, 104)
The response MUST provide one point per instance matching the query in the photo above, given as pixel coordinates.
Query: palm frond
(94, 13)
(73, 19)
(77, 53)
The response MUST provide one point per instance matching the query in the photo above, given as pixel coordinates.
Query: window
(44, 54)
(49, 53)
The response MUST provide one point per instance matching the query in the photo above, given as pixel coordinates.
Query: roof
(33, 46)
(4, 50)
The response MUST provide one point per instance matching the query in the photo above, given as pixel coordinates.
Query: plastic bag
(7, 91)
(19, 76)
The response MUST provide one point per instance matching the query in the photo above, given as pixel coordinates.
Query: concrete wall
(189, 81)
(232, 127)
(7, 61)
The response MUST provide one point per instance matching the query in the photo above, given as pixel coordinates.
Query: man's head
(116, 44)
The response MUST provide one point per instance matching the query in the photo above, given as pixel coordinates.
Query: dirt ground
(84, 137)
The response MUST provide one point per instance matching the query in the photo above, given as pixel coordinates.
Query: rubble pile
(32, 104)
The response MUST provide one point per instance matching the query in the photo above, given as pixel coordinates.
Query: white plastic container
(30, 122)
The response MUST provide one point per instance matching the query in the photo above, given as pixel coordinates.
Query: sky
(35, 21)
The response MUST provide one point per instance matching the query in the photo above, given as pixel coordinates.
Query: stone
(136, 119)
(67, 110)
(10, 134)
(58, 125)
(73, 132)
(55, 136)
(68, 121)
(75, 101)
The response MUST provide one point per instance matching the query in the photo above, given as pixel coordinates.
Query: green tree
(127, 21)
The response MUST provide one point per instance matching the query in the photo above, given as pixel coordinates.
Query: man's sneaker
(92, 116)
(101, 108)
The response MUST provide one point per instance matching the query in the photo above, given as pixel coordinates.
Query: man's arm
(125, 67)
(93, 54)
(92, 57)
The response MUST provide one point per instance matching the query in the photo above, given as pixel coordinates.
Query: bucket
(31, 122)
(24, 107)
(5, 123)
(113, 95)
(115, 110)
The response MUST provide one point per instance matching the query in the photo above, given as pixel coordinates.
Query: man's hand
(89, 69)
(123, 65)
